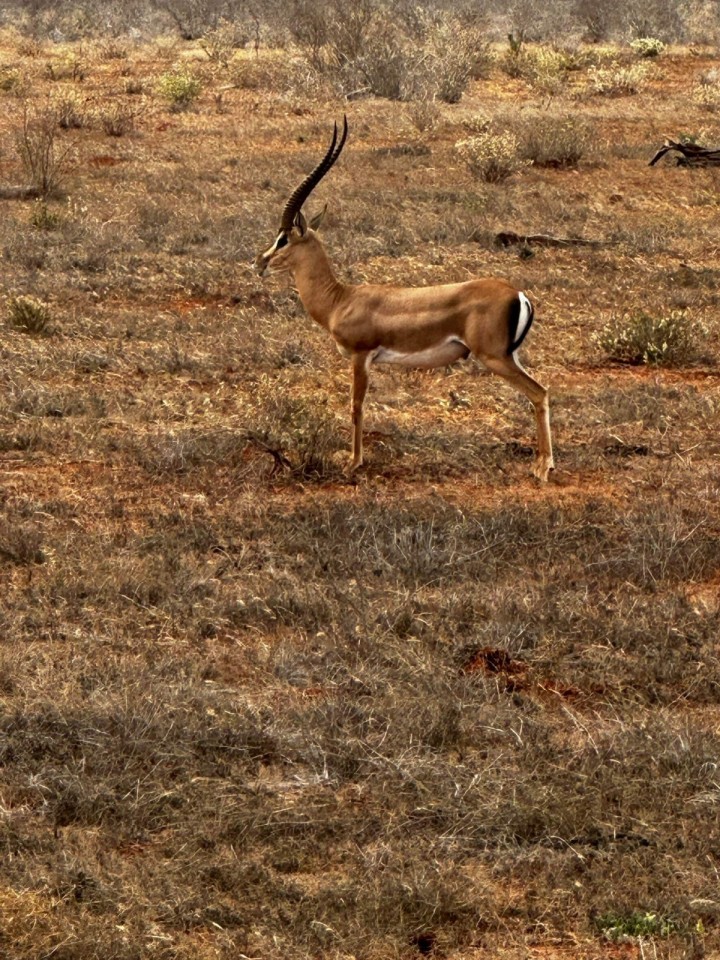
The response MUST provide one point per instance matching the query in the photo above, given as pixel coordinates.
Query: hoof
(542, 469)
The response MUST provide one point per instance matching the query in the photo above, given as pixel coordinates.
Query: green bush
(28, 314)
(180, 88)
(43, 218)
(640, 338)
(617, 926)
(647, 46)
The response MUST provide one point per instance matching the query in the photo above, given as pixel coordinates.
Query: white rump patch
(524, 318)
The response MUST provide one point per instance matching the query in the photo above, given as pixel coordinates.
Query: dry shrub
(661, 19)
(547, 140)
(706, 92)
(36, 143)
(70, 67)
(369, 46)
(20, 543)
(456, 53)
(331, 33)
(388, 66)
(221, 42)
(617, 81)
(599, 18)
(424, 114)
(301, 435)
(545, 68)
(195, 18)
(117, 119)
(71, 110)
(111, 48)
(491, 156)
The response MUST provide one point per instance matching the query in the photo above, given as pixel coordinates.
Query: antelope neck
(319, 289)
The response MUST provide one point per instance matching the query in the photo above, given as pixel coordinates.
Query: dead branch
(19, 193)
(691, 154)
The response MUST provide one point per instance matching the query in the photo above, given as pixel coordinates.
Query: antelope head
(295, 231)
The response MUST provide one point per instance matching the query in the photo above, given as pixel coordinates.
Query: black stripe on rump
(513, 322)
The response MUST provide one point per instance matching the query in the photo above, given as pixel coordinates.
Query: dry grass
(252, 707)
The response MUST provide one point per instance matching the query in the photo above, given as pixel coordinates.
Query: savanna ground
(250, 706)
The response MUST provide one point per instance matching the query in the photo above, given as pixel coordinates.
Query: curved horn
(303, 191)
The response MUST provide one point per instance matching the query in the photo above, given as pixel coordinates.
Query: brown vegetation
(250, 707)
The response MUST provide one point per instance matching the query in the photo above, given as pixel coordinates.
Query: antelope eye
(281, 241)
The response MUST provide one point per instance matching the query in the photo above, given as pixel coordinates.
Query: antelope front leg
(359, 389)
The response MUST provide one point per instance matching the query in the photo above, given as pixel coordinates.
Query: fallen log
(691, 154)
(508, 238)
(19, 193)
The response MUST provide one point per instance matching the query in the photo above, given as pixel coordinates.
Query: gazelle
(411, 326)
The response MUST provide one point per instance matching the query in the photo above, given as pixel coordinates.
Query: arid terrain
(252, 707)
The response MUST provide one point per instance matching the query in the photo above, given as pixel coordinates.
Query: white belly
(438, 356)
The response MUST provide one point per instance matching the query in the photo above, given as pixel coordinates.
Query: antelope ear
(301, 222)
(318, 219)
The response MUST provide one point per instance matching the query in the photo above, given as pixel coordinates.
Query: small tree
(36, 144)
(193, 18)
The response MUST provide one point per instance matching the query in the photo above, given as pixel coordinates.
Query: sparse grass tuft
(20, 543)
(112, 48)
(118, 119)
(424, 114)
(9, 80)
(71, 110)
(301, 435)
(43, 218)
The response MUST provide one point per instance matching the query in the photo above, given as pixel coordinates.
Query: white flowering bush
(490, 156)
(647, 46)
